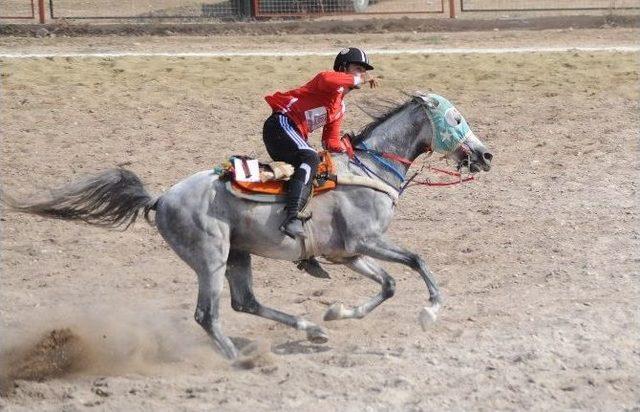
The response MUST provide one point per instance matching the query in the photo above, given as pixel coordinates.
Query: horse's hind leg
(208, 258)
(205, 251)
(210, 284)
(369, 268)
(243, 300)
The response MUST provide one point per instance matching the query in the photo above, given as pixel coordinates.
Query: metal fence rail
(156, 9)
(280, 8)
(17, 9)
(197, 9)
(546, 5)
(210, 10)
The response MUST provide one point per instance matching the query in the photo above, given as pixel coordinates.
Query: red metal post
(452, 9)
(41, 10)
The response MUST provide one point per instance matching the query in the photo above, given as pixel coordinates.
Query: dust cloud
(103, 342)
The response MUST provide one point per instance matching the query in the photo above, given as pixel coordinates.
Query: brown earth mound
(57, 353)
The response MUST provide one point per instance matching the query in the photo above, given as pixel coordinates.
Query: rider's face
(355, 69)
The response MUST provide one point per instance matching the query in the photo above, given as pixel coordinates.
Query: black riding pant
(285, 143)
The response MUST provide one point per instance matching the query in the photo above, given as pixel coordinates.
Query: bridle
(385, 159)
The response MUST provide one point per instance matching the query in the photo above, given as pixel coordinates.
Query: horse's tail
(112, 198)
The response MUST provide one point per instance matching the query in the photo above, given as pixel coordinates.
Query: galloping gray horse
(216, 232)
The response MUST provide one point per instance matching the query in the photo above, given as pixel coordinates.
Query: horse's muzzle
(476, 162)
(484, 160)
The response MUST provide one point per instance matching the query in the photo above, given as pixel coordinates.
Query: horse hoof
(317, 336)
(230, 352)
(428, 316)
(334, 312)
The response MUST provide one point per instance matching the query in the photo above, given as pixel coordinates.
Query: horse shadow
(299, 347)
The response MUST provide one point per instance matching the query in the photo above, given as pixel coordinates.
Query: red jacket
(316, 104)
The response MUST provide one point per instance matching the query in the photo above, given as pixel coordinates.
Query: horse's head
(452, 135)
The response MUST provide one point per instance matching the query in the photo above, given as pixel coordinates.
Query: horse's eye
(453, 117)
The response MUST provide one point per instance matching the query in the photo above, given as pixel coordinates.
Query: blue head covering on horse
(450, 129)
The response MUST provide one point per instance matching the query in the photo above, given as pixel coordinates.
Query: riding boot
(297, 196)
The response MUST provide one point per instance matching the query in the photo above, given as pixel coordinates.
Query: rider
(298, 112)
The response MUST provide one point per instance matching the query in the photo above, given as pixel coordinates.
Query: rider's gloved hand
(346, 143)
(366, 78)
(335, 146)
(371, 80)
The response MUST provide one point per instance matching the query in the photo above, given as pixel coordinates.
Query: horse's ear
(427, 99)
(420, 94)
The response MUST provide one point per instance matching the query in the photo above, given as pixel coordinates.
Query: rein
(413, 182)
(382, 158)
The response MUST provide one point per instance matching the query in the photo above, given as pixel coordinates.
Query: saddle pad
(254, 196)
(277, 187)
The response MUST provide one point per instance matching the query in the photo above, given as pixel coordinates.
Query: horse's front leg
(369, 268)
(379, 248)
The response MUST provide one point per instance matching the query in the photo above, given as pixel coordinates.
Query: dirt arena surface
(348, 24)
(537, 260)
(603, 37)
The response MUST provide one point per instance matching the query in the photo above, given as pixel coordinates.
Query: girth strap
(355, 180)
(308, 243)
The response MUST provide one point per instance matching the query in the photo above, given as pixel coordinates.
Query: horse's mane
(378, 119)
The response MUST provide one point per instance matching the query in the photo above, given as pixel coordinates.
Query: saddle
(271, 184)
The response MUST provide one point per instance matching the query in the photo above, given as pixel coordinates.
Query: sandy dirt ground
(538, 259)
(323, 43)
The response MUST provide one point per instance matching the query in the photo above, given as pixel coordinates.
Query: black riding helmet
(351, 55)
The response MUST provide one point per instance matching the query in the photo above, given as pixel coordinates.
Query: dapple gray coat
(216, 233)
